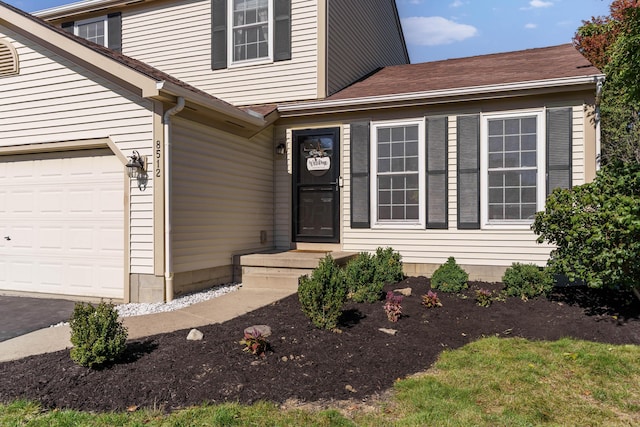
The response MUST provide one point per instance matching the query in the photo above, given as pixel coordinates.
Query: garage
(62, 223)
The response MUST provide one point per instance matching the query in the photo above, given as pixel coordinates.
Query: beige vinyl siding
(176, 38)
(222, 195)
(54, 100)
(362, 36)
(580, 126)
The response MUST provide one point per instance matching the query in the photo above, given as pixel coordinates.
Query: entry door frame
(335, 182)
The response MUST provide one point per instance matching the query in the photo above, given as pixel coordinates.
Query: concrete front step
(281, 270)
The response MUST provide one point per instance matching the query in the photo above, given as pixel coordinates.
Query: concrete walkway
(216, 310)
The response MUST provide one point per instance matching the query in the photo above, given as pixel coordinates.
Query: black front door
(316, 186)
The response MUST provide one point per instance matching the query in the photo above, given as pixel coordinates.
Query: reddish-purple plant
(430, 300)
(484, 297)
(255, 343)
(393, 307)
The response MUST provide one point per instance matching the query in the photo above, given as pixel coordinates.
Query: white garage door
(61, 224)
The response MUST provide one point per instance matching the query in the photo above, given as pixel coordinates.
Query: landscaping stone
(403, 291)
(388, 331)
(195, 335)
(263, 330)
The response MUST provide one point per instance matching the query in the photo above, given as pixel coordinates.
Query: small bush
(98, 337)
(393, 306)
(255, 343)
(361, 281)
(323, 294)
(431, 300)
(367, 274)
(388, 264)
(450, 277)
(527, 281)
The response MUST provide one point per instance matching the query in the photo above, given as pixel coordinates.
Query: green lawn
(491, 382)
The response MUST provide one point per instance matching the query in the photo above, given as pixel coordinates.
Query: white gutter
(168, 253)
(249, 117)
(75, 8)
(358, 103)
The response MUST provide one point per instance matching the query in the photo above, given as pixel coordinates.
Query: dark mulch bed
(308, 364)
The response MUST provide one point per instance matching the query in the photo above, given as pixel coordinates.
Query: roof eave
(234, 114)
(81, 7)
(433, 96)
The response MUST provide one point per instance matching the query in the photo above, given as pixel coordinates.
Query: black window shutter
(437, 172)
(559, 141)
(282, 30)
(218, 34)
(360, 189)
(67, 26)
(114, 28)
(469, 172)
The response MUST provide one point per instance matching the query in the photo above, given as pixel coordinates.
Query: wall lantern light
(281, 149)
(136, 165)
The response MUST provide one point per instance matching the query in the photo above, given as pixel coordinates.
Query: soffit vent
(8, 59)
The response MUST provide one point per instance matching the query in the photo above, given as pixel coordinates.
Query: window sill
(508, 225)
(398, 226)
(250, 63)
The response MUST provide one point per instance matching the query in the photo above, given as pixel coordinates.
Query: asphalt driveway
(21, 315)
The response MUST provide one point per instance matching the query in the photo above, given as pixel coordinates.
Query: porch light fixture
(281, 149)
(135, 167)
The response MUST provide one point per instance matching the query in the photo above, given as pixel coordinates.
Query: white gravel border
(142, 308)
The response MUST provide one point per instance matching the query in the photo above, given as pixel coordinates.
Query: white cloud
(456, 3)
(531, 26)
(537, 4)
(435, 31)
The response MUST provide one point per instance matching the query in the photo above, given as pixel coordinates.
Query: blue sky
(441, 29)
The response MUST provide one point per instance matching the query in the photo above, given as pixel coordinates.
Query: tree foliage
(612, 43)
(596, 228)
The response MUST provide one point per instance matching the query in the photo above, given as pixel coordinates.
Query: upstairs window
(103, 30)
(251, 32)
(8, 59)
(94, 30)
(247, 32)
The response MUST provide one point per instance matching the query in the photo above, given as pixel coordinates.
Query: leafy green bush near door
(367, 274)
(323, 294)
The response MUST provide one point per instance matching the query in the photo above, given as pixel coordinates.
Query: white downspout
(599, 83)
(168, 254)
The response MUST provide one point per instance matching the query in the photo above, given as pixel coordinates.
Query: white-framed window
(398, 174)
(251, 35)
(93, 29)
(512, 164)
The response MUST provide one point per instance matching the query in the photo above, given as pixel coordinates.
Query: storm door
(316, 189)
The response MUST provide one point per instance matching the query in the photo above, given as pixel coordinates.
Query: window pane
(384, 182)
(397, 212)
(529, 195)
(495, 127)
(496, 195)
(397, 197)
(384, 165)
(384, 212)
(397, 165)
(411, 133)
(512, 195)
(512, 160)
(397, 149)
(397, 134)
(495, 212)
(412, 212)
(411, 148)
(528, 159)
(528, 211)
(529, 125)
(512, 126)
(495, 160)
(384, 135)
(384, 197)
(412, 164)
(512, 143)
(528, 142)
(495, 144)
(412, 181)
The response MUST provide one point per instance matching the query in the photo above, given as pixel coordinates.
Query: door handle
(337, 183)
(7, 238)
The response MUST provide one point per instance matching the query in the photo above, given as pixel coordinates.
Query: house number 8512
(158, 156)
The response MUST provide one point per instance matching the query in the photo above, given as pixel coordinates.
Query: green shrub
(361, 280)
(98, 337)
(450, 277)
(323, 294)
(526, 281)
(595, 228)
(367, 274)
